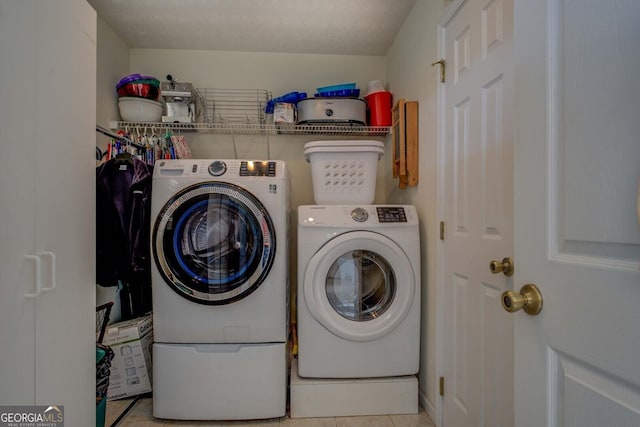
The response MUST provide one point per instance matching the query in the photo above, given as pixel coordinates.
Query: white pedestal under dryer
(220, 271)
(358, 301)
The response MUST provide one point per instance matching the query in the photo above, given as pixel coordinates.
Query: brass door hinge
(443, 67)
(441, 386)
(441, 230)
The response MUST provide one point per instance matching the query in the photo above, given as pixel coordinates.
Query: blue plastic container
(341, 93)
(344, 86)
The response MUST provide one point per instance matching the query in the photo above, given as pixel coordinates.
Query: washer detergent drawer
(219, 381)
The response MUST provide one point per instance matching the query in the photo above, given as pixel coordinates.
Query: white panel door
(65, 208)
(477, 197)
(17, 207)
(577, 237)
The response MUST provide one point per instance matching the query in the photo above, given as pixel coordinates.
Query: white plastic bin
(343, 172)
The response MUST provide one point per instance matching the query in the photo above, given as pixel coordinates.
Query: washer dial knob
(217, 168)
(359, 215)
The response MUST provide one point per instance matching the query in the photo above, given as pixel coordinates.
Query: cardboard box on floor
(131, 342)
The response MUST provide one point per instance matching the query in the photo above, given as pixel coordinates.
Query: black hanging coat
(123, 211)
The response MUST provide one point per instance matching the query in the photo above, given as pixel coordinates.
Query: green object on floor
(101, 411)
(104, 354)
(101, 403)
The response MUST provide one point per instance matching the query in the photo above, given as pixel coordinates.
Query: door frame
(446, 17)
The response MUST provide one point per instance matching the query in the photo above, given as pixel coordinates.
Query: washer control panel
(228, 168)
(391, 214)
(257, 168)
(359, 215)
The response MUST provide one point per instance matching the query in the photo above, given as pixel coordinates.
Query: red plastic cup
(379, 105)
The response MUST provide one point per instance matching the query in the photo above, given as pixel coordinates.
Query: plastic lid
(344, 142)
(135, 77)
(127, 79)
(375, 86)
(348, 146)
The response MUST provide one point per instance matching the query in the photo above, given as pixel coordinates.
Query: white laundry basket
(343, 172)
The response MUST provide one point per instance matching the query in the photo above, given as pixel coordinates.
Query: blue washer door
(213, 243)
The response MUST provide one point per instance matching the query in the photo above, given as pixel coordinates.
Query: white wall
(410, 76)
(113, 64)
(277, 72)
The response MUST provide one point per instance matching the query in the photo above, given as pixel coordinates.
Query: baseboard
(428, 406)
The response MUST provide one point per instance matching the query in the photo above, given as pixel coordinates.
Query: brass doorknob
(505, 266)
(529, 299)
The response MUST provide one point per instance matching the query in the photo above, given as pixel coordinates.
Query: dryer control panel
(360, 217)
(385, 214)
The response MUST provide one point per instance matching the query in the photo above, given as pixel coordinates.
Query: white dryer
(219, 238)
(358, 301)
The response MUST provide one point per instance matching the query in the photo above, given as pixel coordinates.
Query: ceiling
(345, 27)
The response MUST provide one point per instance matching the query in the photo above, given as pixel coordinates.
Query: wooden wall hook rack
(404, 130)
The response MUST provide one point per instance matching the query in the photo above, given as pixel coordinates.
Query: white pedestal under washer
(219, 238)
(358, 300)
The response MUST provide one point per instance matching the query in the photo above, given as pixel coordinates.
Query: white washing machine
(219, 238)
(358, 300)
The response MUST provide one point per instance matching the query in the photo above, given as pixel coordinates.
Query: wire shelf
(254, 128)
(331, 129)
(235, 106)
(242, 112)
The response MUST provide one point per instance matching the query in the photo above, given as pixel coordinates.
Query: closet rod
(118, 137)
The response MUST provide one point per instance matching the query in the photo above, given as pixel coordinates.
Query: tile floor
(140, 416)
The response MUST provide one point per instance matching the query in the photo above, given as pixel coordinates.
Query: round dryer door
(360, 285)
(213, 243)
